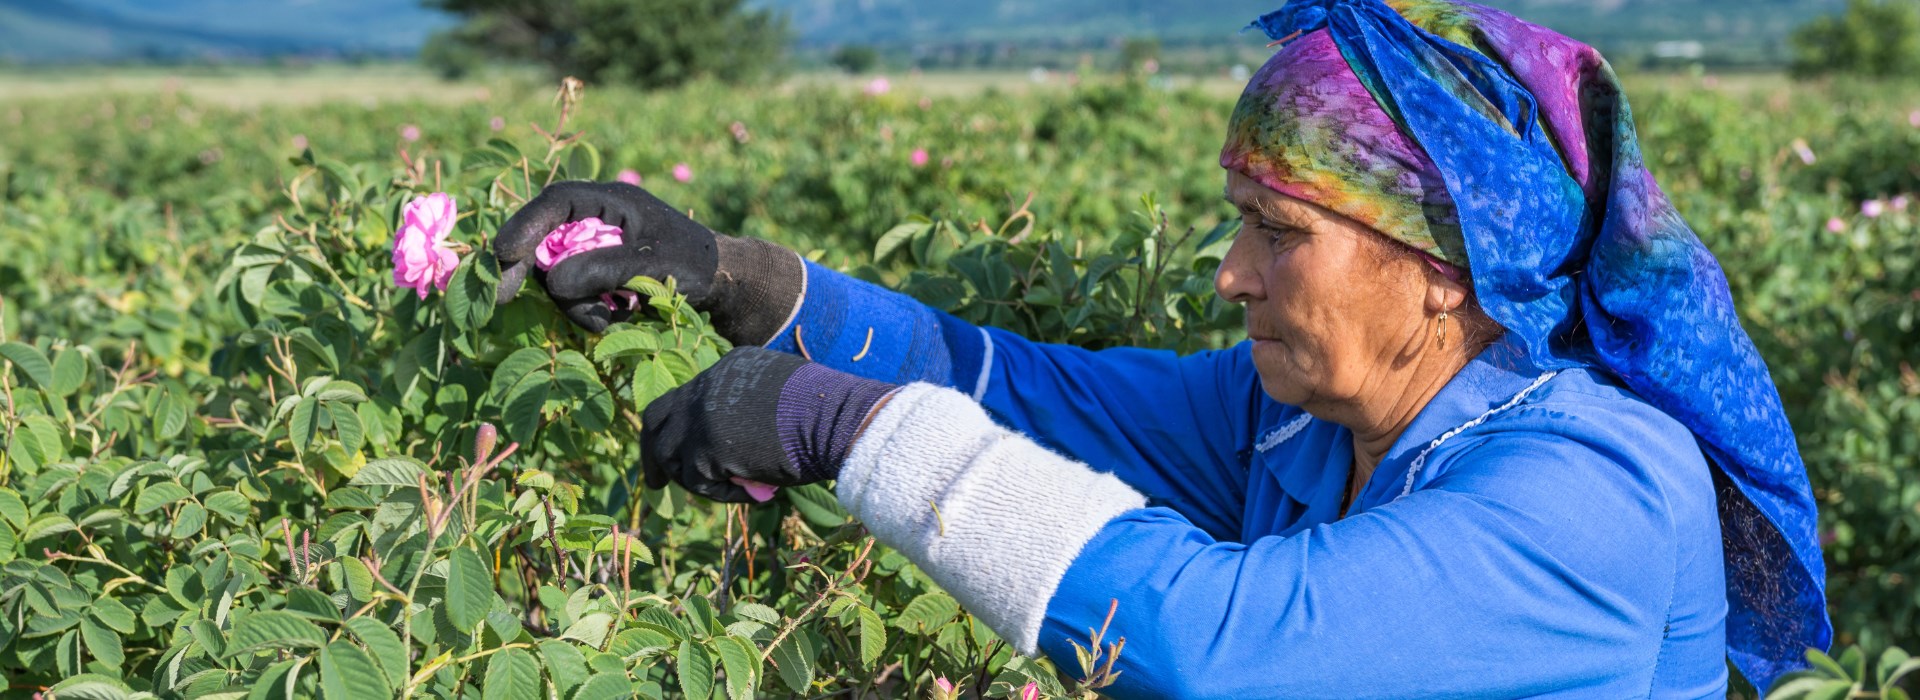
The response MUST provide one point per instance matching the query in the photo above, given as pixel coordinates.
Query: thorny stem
(833, 586)
(559, 563)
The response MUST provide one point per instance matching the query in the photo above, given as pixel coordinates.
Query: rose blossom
(1835, 225)
(421, 258)
(299, 142)
(878, 86)
(1030, 692)
(497, 123)
(682, 172)
(1873, 208)
(919, 158)
(629, 176)
(410, 132)
(573, 239)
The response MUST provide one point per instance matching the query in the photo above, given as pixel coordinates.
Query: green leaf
(873, 636)
(511, 675)
(742, 662)
(348, 672)
(31, 362)
(13, 508)
(817, 504)
(102, 643)
(606, 686)
(69, 372)
(566, 667)
(650, 380)
(188, 521)
(46, 525)
(274, 629)
(757, 613)
(470, 299)
(390, 471)
(159, 495)
(524, 405)
(384, 646)
(594, 411)
(114, 614)
(232, 506)
(927, 612)
(469, 589)
(515, 368)
(696, 670)
(591, 629)
(90, 686)
(794, 657)
(898, 236)
(304, 424)
(632, 341)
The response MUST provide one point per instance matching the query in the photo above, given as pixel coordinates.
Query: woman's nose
(1237, 281)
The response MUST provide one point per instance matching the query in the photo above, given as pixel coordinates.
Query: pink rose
(573, 239)
(497, 123)
(299, 142)
(1030, 692)
(1913, 119)
(919, 158)
(1873, 208)
(1900, 202)
(756, 490)
(682, 173)
(410, 132)
(878, 86)
(629, 176)
(421, 258)
(1835, 225)
(1805, 152)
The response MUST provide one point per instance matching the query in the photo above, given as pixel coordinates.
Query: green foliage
(237, 460)
(855, 58)
(647, 43)
(1875, 38)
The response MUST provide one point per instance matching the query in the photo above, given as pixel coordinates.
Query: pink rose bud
(299, 142)
(1030, 692)
(739, 131)
(410, 132)
(682, 172)
(483, 442)
(757, 491)
(629, 176)
(497, 123)
(1835, 225)
(574, 238)
(1873, 208)
(919, 158)
(1913, 119)
(945, 686)
(878, 86)
(1900, 202)
(421, 258)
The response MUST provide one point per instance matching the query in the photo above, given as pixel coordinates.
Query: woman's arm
(1534, 564)
(1169, 426)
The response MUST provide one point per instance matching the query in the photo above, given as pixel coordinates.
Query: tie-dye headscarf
(1507, 149)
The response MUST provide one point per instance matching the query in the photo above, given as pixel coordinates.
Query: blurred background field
(132, 179)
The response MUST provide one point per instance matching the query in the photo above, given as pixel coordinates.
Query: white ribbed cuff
(1012, 515)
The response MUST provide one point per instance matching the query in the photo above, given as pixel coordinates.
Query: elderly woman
(1496, 431)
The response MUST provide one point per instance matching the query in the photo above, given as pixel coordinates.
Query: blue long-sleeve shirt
(1567, 544)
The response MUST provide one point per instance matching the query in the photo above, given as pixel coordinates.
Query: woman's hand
(758, 415)
(749, 286)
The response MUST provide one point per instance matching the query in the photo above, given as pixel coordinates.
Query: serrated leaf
(114, 614)
(348, 672)
(469, 589)
(102, 643)
(627, 342)
(159, 495)
(758, 613)
(566, 667)
(30, 361)
(742, 662)
(390, 471)
(274, 629)
(873, 636)
(511, 675)
(13, 508)
(188, 520)
(606, 686)
(304, 424)
(46, 525)
(650, 380)
(230, 505)
(90, 686)
(591, 629)
(524, 404)
(695, 670)
(385, 647)
(927, 612)
(69, 372)
(794, 657)
(817, 504)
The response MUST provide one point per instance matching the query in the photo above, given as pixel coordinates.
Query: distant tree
(1137, 51)
(855, 58)
(1878, 38)
(649, 43)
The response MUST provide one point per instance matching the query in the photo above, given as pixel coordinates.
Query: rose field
(240, 457)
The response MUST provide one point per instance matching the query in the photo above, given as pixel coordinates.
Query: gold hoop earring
(1440, 334)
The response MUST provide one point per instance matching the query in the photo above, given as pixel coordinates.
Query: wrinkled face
(1330, 310)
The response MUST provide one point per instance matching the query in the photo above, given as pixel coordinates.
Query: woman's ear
(1444, 294)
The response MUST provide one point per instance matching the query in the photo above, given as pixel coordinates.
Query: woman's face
(1330, 311)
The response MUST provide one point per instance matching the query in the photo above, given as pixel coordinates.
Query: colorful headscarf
(1508, 149)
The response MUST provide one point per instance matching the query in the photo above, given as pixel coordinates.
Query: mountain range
(35, 31)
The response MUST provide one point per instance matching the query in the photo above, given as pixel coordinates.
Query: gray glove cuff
(755, 289)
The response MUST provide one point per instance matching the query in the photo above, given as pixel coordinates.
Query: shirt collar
(1489, 380)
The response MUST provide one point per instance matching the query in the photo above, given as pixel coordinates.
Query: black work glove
(759, 415)
(748, 286)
